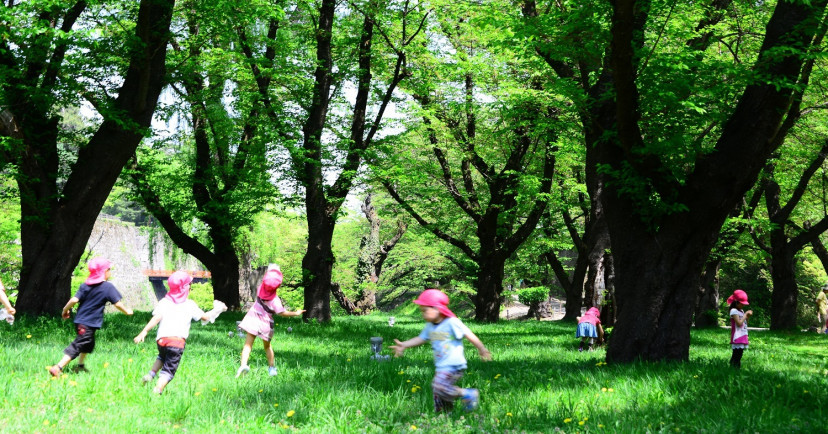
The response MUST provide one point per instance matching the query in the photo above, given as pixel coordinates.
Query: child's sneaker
(146, 379)
(156, 391)
(471, 399)
(272, 371)
(55, 371)
(242, 370)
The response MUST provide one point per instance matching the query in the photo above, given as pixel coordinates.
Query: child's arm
(600, 334)
(740, 321)
(72, 301)
(120, 306)
(5, 300)
(400, 347)
(289, 314)
(484, 352)
(150, 325)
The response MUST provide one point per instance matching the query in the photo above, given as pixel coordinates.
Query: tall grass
(537, 382)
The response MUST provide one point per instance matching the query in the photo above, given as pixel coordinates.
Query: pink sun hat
(738, 295)
(179, 286)
(271, 281)
(436, 299)
(97, 270)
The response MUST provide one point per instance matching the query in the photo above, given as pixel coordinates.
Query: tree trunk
(609, 303)
(55, 229)
(225, 272)
(317, 265)
(785, 291)
(707, 303)
(488, 299)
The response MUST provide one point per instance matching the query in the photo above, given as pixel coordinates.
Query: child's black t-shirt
(92, 301)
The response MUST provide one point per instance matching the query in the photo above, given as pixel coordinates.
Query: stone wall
(129, 249)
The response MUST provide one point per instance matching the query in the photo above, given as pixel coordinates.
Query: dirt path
(513, 309)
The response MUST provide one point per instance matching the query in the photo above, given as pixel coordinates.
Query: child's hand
(65, 314)
(11, 311)
(298, 312)
(140, 338)
(398, 348)
(749, 313)
(485, 354)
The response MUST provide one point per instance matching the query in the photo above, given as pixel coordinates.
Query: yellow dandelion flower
(804, 391)
(89, 410)
(567, 420)
(586, 418)
(276, 404)
(29, 337)
(348, 360)
(581, 423)
(215, 390)
(610, 390)
(261, 390)
(106, 364)
(197, 393)
(603, 389)
(600, 425)
(129, 360)
(778, 386)
(73, 383)
(497, 376)
(509, 414)
(291, 413)
(407, 381)
(695, 376)
(413, 428)
(46, 422)
(401, 372)
(414, 389)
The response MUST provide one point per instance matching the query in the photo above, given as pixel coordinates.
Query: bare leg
(82, 358)
(160, 385)
(65, 361)
(269, 353)
(248, 345)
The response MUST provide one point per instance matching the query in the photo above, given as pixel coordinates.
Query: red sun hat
(738, 295)
(271, 281)
(97, 270)
(436, 299)
(179, 286)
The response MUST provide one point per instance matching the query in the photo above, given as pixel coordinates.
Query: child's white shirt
(176, 318)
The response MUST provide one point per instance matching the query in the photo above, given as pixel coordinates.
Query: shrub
(202, 295)
(533, 294)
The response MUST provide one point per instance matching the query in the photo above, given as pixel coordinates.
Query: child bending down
(258, 322)
(92, 295)
(446, 333)
(589, 328)
(173, 316)
(6, 303)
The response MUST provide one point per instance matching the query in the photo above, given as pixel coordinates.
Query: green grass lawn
(537, 382)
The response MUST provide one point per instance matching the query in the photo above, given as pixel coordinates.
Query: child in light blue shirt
(446, 334)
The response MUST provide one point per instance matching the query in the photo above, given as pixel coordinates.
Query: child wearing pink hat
(92, 295)
(446, 333)
(738, 326)
(173, 316)
(258, 322)
(589, 328)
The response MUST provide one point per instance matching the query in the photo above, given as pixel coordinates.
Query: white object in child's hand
(218, 308)
(4, 315)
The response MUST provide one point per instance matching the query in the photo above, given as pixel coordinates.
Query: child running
(10, 311)
(173, 316)
(92, 295)
(738, 326)
(589, 327)
(446, 333)
(258, 322)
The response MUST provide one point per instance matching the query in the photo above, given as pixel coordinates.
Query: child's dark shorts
(84, 342)
(170, 351)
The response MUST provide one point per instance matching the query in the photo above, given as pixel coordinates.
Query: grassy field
(537, 382)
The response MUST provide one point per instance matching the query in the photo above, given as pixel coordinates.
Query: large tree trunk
(785, 290)
(224, 270)
(317, 265)
(707, 303)
(488, 299)
(55, 229)
(609, 305)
